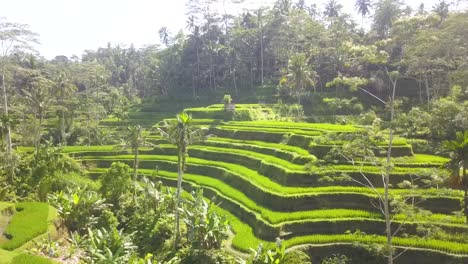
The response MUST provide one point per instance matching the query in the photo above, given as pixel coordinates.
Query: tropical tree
(63, 89)
(14, 37)
(300, 75)
(206, 230)
(363, 8)
(165, 36)
(37, 93)
(458, 151)
(134, 139)
(182, 134)
(442, 9)
(386, 13)
(332, 9)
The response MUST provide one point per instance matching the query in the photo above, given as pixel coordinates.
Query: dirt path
(229, 248)
(4, 220)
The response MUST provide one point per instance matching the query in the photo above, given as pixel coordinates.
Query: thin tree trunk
(235, 82)
(135, 171)
(466, 190)
(261, 55)
(420, 91)
(388, 227)
(5, 110)
(39, 131)
(428, 92)
(194, 94)
(62, 126)
(466, 202)
(251, 73)
(179, 190)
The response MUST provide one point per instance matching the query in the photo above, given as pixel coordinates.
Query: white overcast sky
(68, 27)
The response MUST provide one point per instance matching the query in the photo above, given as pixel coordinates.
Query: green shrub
(196, 256)
(108, 246)
(341, 106)
(115, 182)
(29, 221)
(227, 99)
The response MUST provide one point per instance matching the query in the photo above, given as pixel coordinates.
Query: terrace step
(279, 198)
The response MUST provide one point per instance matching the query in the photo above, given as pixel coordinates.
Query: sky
(68, 27)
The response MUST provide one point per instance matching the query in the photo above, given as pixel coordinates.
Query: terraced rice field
(265, 179)
(20, 224)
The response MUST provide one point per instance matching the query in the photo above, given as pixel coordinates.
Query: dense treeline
(290, 49)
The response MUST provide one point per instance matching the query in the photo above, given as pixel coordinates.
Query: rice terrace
(286, 132)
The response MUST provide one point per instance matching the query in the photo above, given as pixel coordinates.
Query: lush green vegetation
(29, 221)
(248, 133)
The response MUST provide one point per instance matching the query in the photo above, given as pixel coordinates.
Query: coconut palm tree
(63, 89)
(182, 134)
(332, 9)
(300, 75)
(165, 36)
(458, 151)
(134, 139)
(363, 8)
(386, 13)
(38, 98)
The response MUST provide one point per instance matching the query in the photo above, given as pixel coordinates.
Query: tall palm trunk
(261, 56)
(39, 131)
(428, 92)
(466, 204)
(466, 189)
(5, 109)
(63, 135)
(388, 169)
(180, 173)
(135, 171)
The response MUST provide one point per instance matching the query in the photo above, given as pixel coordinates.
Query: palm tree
(299, 75)
(135, 138)
(63, 89)
(182, 134)
(458, 151)
(165, 36)
(38, 97)
(441, 9)
(386, 13)
(332, 9)
(363, 8)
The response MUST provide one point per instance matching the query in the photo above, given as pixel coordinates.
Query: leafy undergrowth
(29, 221)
